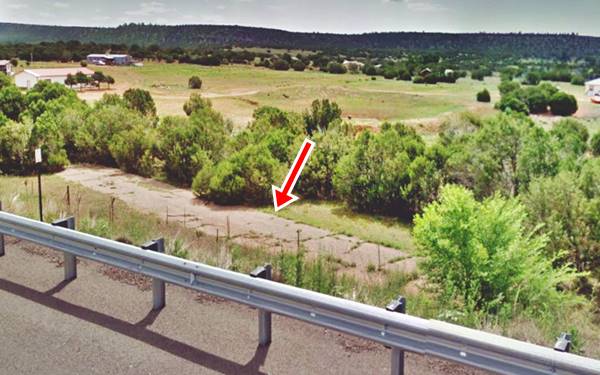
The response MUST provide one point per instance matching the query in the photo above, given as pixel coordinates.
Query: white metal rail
(399, 331)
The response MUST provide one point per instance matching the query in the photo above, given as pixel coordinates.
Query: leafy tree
(336, 68)
(571, 138)
(484, 96)
(195, 83)
(298, 66)
(14, 62)
(381, 172)
(46, 134)
(533, 78)
(82, 79)
(93, 138)
(70, 80)
(589, 178)
(281, 65)
(196, 103)
(98, 77)
(187, 144)
(508, 87)
(134, 150)
(561, 207)
(14, 141)
(5, 81)
(245, 177)
(12, 102)
(536, 100)
(110, 81)
(578, 80)
(483, 259)
(563, 104)
(317, 177)
(512, 103)
(141, 101)
(321, 115)
(595, 144)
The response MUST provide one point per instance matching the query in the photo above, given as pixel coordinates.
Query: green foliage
(484, 96)
(281, 65)
(317, 177)
(322, 114)
(195, 83)
(502, 156)
(571, 138)
(244, 177)
(196, 103)
(14, 142)
(563, 104)
(511, 102)
(336, 68)
(188, 144)
(562, 208)
(141, 101)
(482, 259)
(595, 144)
(5, 81)
(134, 150)
(536, 99)
(12, 102)
(578, 80)
(298, 66)
(387, 172)
(533, 78)
(92, 138)
(46, 134)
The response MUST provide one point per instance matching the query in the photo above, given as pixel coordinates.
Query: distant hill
(190, 36)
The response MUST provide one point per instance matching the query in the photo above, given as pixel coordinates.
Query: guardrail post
(398, 305)
(264, 317)
(70, 260)
(158, 286)
(1, 237)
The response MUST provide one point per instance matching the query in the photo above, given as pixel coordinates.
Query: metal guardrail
(399, 331)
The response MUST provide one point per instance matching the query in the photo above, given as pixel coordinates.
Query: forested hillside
(560, 46)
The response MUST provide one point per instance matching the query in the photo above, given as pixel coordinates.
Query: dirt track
(248, 226)
(103, 325)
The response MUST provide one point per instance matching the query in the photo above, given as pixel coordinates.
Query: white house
(29, 77)
(6, 67)
(592, 87)
(109, 59)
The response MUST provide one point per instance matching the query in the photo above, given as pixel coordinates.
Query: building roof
(106, 55)
(58, 72)
(593, 82)
(4, 62)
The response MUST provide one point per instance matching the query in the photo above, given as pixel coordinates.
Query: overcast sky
(343, 16)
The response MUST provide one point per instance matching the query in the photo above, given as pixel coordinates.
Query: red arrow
(283, 197)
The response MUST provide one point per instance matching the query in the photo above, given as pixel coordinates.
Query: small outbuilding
(29, 77)
(592, 88)
(109, 59)
(6, 67)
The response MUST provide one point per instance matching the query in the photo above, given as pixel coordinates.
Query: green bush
(244, 177)
(298, 66)
(563, 104)
(280, 64)
(482, 259)
(387, 172)
(14, 142)
(595, 144)
(141, 101)
(536, 100)
(336, 68)
(196, 103)
(321, 115)
(195, 83)
(512, 103)
(46, 134)
(484, 96)
(187, 144)
(12, 102)
(578, 80)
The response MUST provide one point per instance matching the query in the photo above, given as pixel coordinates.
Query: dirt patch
(141, 282)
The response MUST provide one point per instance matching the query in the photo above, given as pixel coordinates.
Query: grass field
(338, 219)
(237, 90)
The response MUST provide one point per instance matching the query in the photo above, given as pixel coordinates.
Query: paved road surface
(248, 226)
(101, 324)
